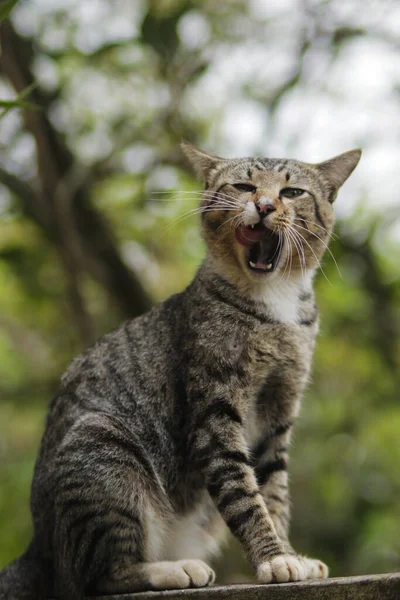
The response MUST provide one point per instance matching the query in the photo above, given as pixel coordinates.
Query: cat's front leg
(219, 449)
(270, 459)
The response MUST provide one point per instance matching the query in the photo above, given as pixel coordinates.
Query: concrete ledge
(368, 587)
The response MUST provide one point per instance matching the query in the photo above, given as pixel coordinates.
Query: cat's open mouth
(264, 248)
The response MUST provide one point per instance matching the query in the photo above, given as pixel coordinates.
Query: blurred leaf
(159, 28)
(6, 8)
(343, 34)
(18, 102)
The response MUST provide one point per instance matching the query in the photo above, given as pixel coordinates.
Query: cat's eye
(291, 192)
(244, 187)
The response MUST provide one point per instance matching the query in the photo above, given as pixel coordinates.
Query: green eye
(291, 192)
(244, 187)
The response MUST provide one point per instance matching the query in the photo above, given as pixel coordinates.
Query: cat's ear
(201, 162)
(338, 169)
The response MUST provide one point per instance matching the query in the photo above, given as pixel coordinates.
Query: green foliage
(6, 8)
(18, 453)
(14, 104)
(18, 102)
(5, 11)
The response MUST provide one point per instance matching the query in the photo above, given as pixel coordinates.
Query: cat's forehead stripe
(247, 168)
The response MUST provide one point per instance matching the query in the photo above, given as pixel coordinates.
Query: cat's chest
(279, 360)
(283, 349)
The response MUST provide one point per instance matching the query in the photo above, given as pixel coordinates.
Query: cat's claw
(281, 569)
(315, 568)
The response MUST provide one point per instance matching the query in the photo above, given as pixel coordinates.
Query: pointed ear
(338, 169)
(201, 162)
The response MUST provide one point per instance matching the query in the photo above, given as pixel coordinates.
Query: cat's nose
(265, 206)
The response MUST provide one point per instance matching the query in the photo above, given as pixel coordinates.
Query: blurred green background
(85, 240)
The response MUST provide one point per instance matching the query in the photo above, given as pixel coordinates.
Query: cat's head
(262, 217)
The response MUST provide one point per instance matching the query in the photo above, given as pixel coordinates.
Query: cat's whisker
(285, 223)
(299, 245)
(198, 193)
(280, 246)
(191, 195)
(324, 244)
(221, 195)
(227, 195)
(311, 232)
(172, 191)
(218, 203)
(223, 202)
(300, 252)
(291, 264)
(199, 210)
(302, 259)
(231, 221)
(289, 244)
(315, 256)
(224, 195)
(190, 213)
(181, 193)
(326, 247)
(290, 260)
(330, 234)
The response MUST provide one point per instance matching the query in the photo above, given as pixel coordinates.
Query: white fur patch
(155, 533)
(189, 536)
(281, 296)
(250, 214)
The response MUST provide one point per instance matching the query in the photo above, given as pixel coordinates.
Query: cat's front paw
(281, 569)
(315, 568)
(180, 574)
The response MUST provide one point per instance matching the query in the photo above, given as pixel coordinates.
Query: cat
(176, 426)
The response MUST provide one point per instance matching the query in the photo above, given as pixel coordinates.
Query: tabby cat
(176, 426)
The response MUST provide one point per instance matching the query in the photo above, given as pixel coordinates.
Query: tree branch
(62, 206)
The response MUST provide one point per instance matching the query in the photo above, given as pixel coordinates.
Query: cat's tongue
(246, 236)
(264, 247)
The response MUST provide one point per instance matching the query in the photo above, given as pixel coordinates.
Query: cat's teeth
(252, 226)
(267, 267)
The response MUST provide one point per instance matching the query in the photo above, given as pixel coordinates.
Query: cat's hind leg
(103, 489)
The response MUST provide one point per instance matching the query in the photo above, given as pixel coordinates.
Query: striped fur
(177, 425)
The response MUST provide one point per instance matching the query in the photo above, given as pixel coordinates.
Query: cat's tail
(25, 579)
